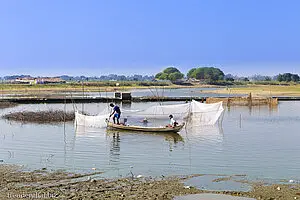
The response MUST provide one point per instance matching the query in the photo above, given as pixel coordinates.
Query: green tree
(206, 73)
(164, 76)
(190, 72)
(175, 76)
(295, 77)
(170, 73)
(229, 79)
(171, 70)
(199, 73)
(158, 75)
(280, 78)
(288, 77)
(268, 78)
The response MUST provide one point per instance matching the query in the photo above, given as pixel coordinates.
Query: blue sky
(95, 37)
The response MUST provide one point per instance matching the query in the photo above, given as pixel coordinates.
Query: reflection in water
(253, 109)
(114, 151)
(172, 138)
(84, 131)
(46, 159)
(126, 105)
(204, 136)
(263, 108)
(208, 133)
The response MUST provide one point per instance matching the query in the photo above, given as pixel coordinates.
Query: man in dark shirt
(116, 112)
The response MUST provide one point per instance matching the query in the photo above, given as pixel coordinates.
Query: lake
(260, 142)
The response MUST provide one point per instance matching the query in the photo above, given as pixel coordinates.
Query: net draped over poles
(163, 111)
(206, 114)
(97, 121)
(195, 112)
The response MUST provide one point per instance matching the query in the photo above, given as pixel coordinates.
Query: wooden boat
(146, 129)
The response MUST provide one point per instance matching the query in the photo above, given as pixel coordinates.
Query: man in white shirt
(172, 123)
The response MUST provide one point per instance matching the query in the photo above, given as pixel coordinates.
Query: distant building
(193, 80)
(26, 80)
(42, 80)
(49, 80)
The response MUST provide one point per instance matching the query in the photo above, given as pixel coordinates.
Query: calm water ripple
(259, 142)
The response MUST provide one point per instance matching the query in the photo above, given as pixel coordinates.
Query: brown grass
(41, 116)
(244, 101)
(262, 90)
(6, 104)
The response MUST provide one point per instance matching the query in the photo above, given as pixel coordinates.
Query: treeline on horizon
(212, 75)
(207, 75)
(90, 78)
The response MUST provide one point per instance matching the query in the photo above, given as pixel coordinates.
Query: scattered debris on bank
(275, 191)
(51, 116)
(7, 104)
(64, 185)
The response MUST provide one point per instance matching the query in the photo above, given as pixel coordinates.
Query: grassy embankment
(262, 90)
(258, 89)
(99, 86)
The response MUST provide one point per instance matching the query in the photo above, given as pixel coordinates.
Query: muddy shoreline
(18, 184)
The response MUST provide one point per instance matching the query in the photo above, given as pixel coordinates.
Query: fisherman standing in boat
(116, 112)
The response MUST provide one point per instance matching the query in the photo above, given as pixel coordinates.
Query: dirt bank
(62, 185)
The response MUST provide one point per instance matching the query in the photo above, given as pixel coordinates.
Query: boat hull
(146, 129)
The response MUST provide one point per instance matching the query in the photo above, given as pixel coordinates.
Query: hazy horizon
(94, 38)
(143, 74)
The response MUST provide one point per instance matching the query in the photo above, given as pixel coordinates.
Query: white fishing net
(163, 111)
(195, 112)
(97, 121)
(205, 114)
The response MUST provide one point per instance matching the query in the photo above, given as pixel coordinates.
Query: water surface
(261, 143)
